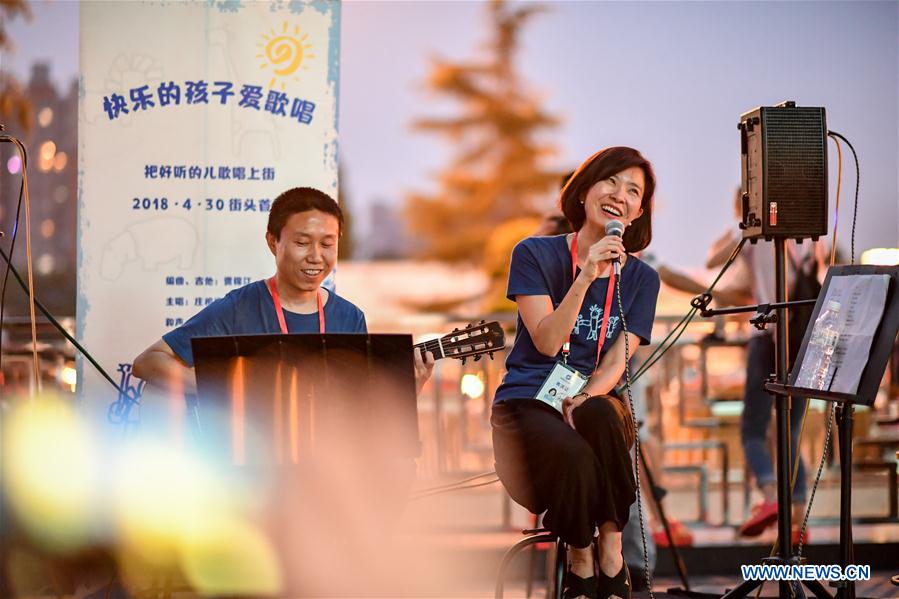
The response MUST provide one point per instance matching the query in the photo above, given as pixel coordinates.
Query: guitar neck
(434, 346)
(471, 342)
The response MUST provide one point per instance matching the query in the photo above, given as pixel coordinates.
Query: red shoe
(680, 533)
(763, 515)
(795, 536)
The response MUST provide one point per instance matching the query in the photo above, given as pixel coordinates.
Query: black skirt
(581, 478)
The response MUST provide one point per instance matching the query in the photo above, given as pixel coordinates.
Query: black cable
(12, 248)
(820, 472)
(647, 364)
(857, 182)
(681, 326)
(684, 322)
(425, 494)
(59, 327)
(637, 449)
(827, 438)
(655, 356)
(457, 483)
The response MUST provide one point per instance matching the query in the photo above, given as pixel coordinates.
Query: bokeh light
(50, 465)
(229, 556)
(69, 376)
(159, 493)
(45, 116)
(60, 162)
(61, 194)
(48, 227)
(472, 385)
(48, 150)
(881, 256)
(45, 264)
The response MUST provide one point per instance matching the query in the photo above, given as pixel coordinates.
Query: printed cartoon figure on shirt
(593, 325)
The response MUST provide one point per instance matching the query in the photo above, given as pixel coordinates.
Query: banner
(193, 117)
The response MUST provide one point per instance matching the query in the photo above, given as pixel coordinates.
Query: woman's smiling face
(618, 197)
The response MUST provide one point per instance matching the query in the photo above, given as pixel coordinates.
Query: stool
(702, 497)
(536, 535)
(883, 442)
(713, 445)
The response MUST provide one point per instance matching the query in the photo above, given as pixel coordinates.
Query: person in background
(802, 271)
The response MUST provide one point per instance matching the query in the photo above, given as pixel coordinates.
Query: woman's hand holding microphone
(599, 261)
(600, 257)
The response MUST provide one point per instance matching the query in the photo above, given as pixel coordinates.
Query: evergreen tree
(347, 246)
(498, 171)
(14, 104)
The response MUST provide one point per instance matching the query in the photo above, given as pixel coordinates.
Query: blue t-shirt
(542, 266)
(250, 310)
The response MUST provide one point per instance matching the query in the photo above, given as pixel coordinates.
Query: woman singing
(572, 461)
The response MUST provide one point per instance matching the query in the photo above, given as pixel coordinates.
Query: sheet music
(862, 299)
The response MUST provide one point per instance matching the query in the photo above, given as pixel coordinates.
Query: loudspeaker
(784, 172)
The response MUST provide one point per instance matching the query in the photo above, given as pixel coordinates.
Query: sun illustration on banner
(285, 53)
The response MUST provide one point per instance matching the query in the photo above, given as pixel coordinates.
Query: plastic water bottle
(825, 335)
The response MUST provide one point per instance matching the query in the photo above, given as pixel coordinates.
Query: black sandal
(618, 587)
(575, 586)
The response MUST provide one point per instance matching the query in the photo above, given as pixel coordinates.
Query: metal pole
(782, 403)
(844, 422)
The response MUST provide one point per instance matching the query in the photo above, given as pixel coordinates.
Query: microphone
(615, 227)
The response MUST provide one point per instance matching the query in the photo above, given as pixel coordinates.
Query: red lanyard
(280, 312)
(566, 348)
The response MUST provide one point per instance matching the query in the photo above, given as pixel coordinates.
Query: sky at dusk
(669, 78)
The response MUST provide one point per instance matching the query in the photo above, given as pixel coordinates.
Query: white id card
(563, 381)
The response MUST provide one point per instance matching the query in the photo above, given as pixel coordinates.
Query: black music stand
(326, 426)
(338, 386)
(865, 394)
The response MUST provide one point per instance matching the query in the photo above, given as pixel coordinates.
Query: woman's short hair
(602, 165)
(301, 199)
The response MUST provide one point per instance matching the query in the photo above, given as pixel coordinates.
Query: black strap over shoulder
(804, 286)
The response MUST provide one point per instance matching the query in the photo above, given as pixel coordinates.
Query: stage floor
(463, 532)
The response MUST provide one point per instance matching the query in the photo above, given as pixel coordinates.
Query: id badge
(563, 381)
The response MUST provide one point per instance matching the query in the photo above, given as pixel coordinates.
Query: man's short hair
(301, 199)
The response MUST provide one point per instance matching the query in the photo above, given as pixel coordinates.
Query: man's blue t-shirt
(250, 310)
(542, 266)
